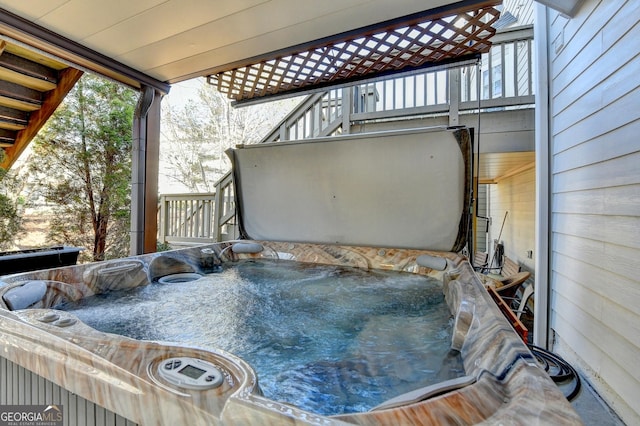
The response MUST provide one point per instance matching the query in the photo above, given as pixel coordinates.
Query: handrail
(318, 115)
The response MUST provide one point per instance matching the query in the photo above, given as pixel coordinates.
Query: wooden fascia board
(515, 171)
(67, 79)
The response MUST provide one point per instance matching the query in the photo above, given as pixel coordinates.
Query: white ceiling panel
(238, 42)
(312, 21)
(171, 19)
(37, 8)
(78, 19)
(496, 165)
(172, 40)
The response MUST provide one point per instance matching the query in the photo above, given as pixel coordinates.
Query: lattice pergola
(414, 42)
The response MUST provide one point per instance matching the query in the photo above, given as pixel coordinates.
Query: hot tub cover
(404, 189)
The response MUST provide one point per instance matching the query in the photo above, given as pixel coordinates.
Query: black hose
(558, 369)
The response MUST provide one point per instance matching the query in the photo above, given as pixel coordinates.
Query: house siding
(594, 61)
(515, 195)
(481, 223)
(523, 10)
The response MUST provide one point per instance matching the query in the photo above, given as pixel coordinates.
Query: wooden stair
(32, 85)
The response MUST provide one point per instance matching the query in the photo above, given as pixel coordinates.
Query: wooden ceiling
(32, 85)
(496, 166)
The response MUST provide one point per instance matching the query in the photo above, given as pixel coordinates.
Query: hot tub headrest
(432, 262)
(114, 275)
(23, 296)
(251, 248)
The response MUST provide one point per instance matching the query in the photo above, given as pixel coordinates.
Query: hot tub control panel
(190, 373)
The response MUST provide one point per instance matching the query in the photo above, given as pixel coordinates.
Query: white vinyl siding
(523, 10)
(595, 196)
(481, 224)
(516, 195)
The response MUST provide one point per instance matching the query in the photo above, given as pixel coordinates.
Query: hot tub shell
(117, 373)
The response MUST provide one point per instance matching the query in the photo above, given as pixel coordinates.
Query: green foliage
(82, 162)
(10, 219)
(163, 246)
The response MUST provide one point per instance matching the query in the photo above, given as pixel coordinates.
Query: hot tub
(392, 201)
(42, 347)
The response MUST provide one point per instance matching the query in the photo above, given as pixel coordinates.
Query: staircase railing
(199, 218)
(319, 115)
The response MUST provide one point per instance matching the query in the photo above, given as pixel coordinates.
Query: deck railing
(506, 76)
(198, 218)
(319, 115)
(503, 81)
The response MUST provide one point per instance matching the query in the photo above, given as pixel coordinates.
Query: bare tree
(195, 135)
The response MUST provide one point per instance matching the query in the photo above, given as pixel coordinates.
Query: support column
(347, 108)
(454, 97)
(144, 172)
(543, 233)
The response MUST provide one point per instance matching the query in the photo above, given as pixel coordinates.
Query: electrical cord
(558, 369)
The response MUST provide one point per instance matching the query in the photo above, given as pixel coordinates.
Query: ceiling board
(312, 21)
(173, 40)
(494, 166)
(37, 8)
(251, 46)
(90, 16)
(171, 19)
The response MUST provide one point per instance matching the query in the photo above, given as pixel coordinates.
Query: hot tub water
(327, 339)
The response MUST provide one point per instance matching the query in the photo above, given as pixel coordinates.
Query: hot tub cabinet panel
(120, 374)
(12, 262)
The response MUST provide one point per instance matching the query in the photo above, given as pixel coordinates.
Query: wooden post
(347, 107)
(454, 96)
(144, 173)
